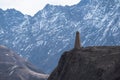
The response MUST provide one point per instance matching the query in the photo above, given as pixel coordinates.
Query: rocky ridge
(43, 37)
(14, 67)
(88, 63)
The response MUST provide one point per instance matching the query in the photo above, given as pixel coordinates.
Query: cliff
(89, 63)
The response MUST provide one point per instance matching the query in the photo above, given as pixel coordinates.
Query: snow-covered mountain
(43, 37)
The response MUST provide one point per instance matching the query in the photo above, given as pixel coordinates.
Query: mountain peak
(51, 31)
(90, 63)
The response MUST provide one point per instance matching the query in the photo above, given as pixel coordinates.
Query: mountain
(43, 37)
(14, 67)
(89, 63)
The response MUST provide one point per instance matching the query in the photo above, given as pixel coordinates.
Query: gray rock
(89, 63)
(14, 67)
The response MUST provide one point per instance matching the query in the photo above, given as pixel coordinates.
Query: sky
(31, 7)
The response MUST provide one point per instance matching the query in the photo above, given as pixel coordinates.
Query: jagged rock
(90, 63)
(40, 38)
(14, 67)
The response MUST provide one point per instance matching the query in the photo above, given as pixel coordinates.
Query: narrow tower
(77, 44)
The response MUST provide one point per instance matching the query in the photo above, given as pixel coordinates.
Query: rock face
(14, 67)
(89, 63)
(40, 38)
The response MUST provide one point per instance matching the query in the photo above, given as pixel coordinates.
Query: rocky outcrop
(89, 63)
(14, 67)
(42, 36)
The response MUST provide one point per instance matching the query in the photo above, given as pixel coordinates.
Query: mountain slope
(41, 38)
(89, 63)
(13, 67)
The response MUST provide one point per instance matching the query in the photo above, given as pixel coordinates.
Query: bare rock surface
(89, 63)
(14, 67)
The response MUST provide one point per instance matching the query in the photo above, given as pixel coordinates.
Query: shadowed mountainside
(14, 67)
(90, 63)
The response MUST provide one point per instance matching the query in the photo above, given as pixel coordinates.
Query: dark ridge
(88, 63)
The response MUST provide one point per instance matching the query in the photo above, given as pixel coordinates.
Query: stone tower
(77, 44)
